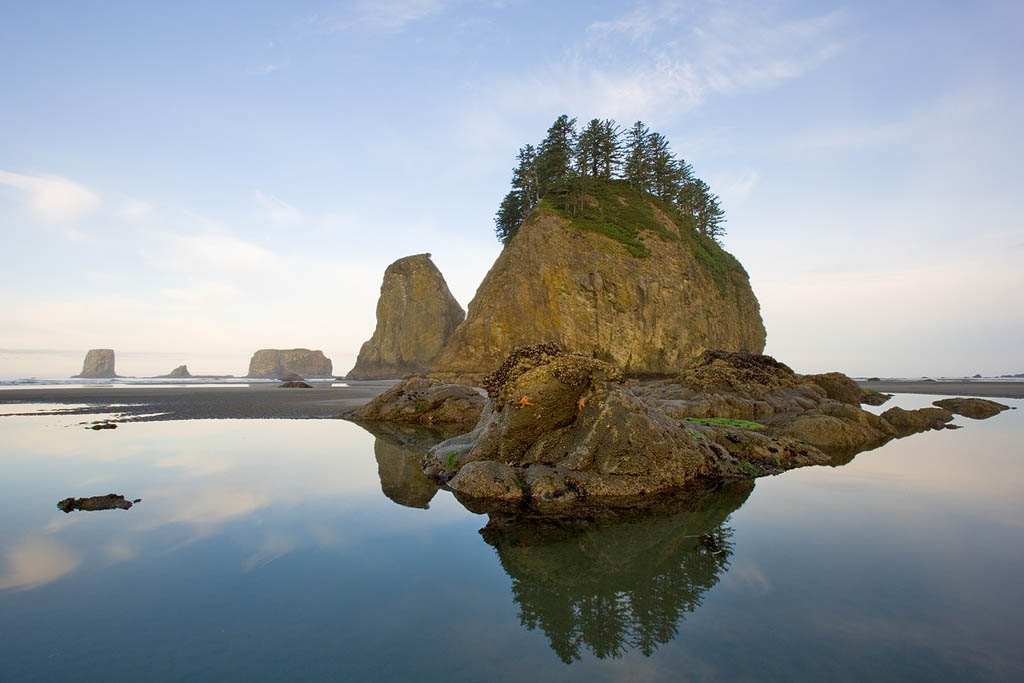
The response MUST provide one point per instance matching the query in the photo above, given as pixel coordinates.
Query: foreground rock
(587, 292)
(276, 363)
(295, 385)
(974, 408)
(111, 501)
(422, 401)
(562, 430)
(416, 314)
(561, 427)
(98, 364)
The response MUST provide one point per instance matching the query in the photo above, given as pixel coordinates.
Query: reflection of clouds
(205, 509)
(37, 562)
(274, 546)
(197, 463)
(119, 552)
(747, 577)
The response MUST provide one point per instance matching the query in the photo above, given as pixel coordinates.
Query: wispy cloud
(50, 198)
(381, 15)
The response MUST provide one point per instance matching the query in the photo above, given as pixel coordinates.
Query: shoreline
(147, 404)
(954, 388)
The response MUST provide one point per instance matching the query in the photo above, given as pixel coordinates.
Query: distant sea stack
(649, 310)
(275, 363)
(180, 371)
(416, 314)
(99, 364)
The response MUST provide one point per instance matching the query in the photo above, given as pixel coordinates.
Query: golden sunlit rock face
(587, 293)
(416, 314)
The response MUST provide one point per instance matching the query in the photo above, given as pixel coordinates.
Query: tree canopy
(568, 159)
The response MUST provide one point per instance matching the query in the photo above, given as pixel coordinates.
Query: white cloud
(135, 210)
(734, 187)
(52, 199)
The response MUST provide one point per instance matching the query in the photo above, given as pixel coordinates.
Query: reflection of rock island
(399, 450)
(610, 585)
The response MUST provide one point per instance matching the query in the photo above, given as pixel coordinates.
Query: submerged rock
(276, 363)
(419, 400)
(111, 501)
(585, 291)
(98, 364)
(416, 314)
(974, 408)
(907, 422)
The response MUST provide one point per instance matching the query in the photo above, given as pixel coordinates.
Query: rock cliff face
(275, 363)
(416, 314)
(584, 291)
(99, 363)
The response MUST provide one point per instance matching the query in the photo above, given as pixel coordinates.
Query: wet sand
(140, 403)
(936, 388)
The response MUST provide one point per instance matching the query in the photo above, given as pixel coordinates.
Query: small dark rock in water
(111, 501)
(296, 385)
(137, 500)
(874, 379)
(104, 425)
(953, 426)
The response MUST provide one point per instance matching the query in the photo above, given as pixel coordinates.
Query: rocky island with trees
(620, 348)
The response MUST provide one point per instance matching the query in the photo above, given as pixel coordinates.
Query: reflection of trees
(620, 581)
(400, 450)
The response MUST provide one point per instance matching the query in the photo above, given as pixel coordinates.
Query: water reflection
(399, 450)
(616, 582)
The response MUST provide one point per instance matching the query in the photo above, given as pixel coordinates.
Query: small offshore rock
(111, 501)
(103, 425)
(296, 385)
(974, 408)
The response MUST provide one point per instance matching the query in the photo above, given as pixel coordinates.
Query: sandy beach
(141, 403)
(943, 388)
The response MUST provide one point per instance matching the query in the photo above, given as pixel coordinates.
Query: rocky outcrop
(974, 408)
(560, 431)
(180, 371)
(562, 427)
(98, 364)
(422, 401)
(292, 384)
(416, 314)
(585, 291)
(277, 363)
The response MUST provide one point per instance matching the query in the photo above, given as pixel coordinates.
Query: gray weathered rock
(276, 363)
(416, 314)
(99, 363)
(180, 371)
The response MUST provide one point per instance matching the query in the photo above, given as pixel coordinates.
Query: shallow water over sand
(309, 549)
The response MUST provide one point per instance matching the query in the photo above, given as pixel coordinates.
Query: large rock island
(647, 309)
(416, 314)
(276, 363)
(98, 364)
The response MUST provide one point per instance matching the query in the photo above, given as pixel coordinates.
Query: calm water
(272, 550)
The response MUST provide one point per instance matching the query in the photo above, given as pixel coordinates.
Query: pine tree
(637, 169)
(610, 149)
(509, 217)
(554, 160)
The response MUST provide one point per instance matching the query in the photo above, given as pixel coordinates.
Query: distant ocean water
(57, 366)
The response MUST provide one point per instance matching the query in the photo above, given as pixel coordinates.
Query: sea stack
(648, 306)
(276, 363)
(98, 364)
(416, 314)
(180, 371)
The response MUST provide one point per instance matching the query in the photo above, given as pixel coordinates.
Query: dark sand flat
(140, 403)
(987, 389)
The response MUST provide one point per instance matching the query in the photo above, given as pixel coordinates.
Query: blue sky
(211, 178)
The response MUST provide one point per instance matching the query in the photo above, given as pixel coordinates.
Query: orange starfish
(525, 401)
(582, 402)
